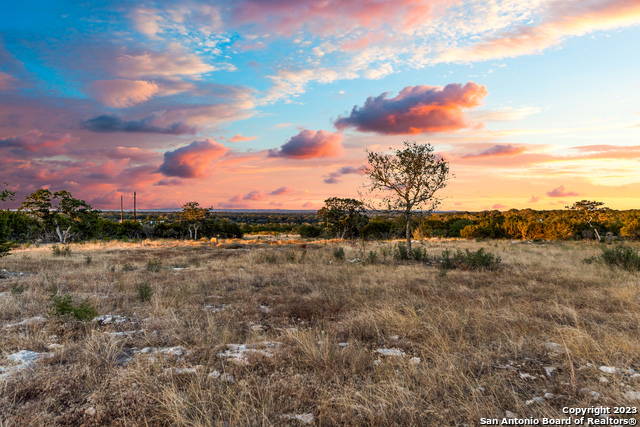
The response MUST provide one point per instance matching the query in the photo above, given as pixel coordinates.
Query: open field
(250, 333)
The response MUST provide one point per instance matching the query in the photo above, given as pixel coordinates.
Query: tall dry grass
(482, 337)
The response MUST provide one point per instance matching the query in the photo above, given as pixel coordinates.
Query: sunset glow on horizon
(258, 104)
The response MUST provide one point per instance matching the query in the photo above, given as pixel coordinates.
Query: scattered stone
(124, 333)
(608, 369)
(635, 376)
(415, 360)
(166, 351)
(536, 399)
(377, 362)
(526, 376)
(390, 352)
(28, 322)
(343, 344)
(107, 319)
(257, 327)
(91, 411)
(181, 371)
(214, 308)
(180, 268)
(354, 260)
(555, 347)
(549, 395)
(479, 389)
(265, 309)
(394, 337)
(303, 418)
(549, 370)
(604, 379)
(594, 394)
(510, 414)
(632, 395)
(223, 377)
(55, 346)
(24, 358)
(238, 352)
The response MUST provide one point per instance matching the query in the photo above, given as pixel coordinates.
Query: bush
(372, 258)
(479, 260)
(64, 306)
(457, 226)
(128, 267)
(61, 250)
(144, 292)
(88, 260)
(154, 265)
(17, 289)
(621, 256)
(419, 254)
(338, 253)
(400, 252)
(308, 231)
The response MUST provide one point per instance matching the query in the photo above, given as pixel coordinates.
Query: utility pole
(134, 205)
(121, 209)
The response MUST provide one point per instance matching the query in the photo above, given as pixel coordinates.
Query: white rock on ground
(390, 352)
(632, 395)
(24, 359)
(223, 377)
(107, 319)
(594, 394)
(510, 414)
(608, 369)
(303, 418)
(526, 376)
(536, 399)
(167, 351)
(549, 370)
(238, 352)
(604, 379)
(28, 322)
(415, 361)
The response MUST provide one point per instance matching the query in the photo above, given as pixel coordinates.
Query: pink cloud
(121, 93)
(334, 177)
(175, 61)
(308, 205)
(37, 144)
(416, 109)
(240, 138)
(169, 182)
(533, 199)
(498, 206)
(193, 160)
(6, 81)
(288, 16)
(280, 191)
(362, 42)
(560, 192)
(562, 20)
(310, 144)
(254, 195)
(498, 150)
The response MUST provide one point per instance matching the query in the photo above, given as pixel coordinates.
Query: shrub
(144, 292)
(17, 289)
(128, 267)
(61, 250)
(400, 252)
(621, 256)
(338, 253)
(478, 260)
(63, 305)
(88, 260)
(372, 258)
(309, 231)
(457, 226)
(154, 265)
(419, 254)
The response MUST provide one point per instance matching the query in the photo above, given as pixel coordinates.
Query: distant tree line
(345, 218)
(59, 217)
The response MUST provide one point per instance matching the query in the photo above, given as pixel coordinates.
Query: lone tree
(5, 245)
(343, 217)
(588, 210)
(194, 216)
(406, 181)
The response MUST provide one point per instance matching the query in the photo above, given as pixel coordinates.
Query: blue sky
(272, 104)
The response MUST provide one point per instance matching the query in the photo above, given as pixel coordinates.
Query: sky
(273, 104)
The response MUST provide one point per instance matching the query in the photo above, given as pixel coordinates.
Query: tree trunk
(195, 228)
(408, 214)
(66, 234)
(190, 233)
(59, 234)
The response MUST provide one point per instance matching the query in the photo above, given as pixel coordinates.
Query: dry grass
(475, 332)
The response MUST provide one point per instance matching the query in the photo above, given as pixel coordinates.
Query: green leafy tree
(406, 181)
(193, 215)
(343, 217)
(5, 245)
(588, 211)
(68, 212)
